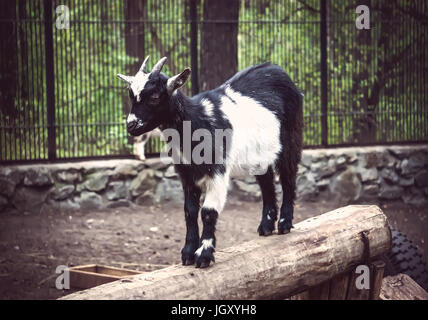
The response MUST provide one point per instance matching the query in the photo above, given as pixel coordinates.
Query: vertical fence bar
(194, 46)
(324, 79)
(50, 86)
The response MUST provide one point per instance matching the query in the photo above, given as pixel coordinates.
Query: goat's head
(150, 94)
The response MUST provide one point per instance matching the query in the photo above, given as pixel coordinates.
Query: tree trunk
(134, 33)
(9, 63)
(273, 267)
(219, 42)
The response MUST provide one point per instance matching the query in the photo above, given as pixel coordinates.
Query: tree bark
(9, 65)
(219, 42)
(134, 33)
(273, 267)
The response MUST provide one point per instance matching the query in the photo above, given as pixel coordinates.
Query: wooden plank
(89, 276)
(377, 269)
(401, 287)
(319, 292)
(339, 287)
(272, 267)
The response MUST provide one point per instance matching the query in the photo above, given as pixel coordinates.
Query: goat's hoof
(266, 228)
(204, 260)
(284, 227)
(188, 255)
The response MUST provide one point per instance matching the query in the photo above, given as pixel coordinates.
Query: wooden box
(92, 275)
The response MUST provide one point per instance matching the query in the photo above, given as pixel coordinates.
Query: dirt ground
(139, 238)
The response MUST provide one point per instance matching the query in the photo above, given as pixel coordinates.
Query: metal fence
(60, 98)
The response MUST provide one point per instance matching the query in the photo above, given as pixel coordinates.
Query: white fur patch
(206, 244)
(256, 134)
(131, 118)
(138, 84)
(209, 107)
(216, 192)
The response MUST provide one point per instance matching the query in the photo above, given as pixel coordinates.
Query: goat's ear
(127, 79)
(177, 81)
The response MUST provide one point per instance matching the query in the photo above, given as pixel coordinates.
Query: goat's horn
(127, 79)
(143, 66)
(158, 66)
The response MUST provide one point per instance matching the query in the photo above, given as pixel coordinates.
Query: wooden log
(401, 287)
(272, 267)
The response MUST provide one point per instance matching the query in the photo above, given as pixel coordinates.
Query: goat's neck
(180, 110)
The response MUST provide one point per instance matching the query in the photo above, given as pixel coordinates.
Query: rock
(37, 178)
(250, 179)
(170, 172)
(7, 187)
(89, 200)
(413, 164)
(124, 171)
(370, 190)
(62, 192)
(399, 153)
(301, 169)
(406, 182)
(247, 191)
(390, 192)
(117, 190)
(306, 187)
(169, 190)
(96, 181)
(367, 174)
(118, 204)
(29, 199)
(306, 160)
(71, 176)
(158, 163)
(341, 162)
(15, 176)
(421, 179)
(323, 169)
(158, 174)
(323, 183)
(144, 181)
(389, 175)
(3, 203)
(346, 187)
(146, 199)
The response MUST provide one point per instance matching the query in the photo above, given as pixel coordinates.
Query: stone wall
(345, 175)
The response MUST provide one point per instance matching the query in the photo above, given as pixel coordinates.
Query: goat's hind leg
(270, 210)
(288, 174)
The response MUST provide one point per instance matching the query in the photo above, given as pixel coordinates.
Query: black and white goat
(262, 108)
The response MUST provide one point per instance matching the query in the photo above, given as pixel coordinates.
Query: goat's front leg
(192, 195)
(215, 198)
